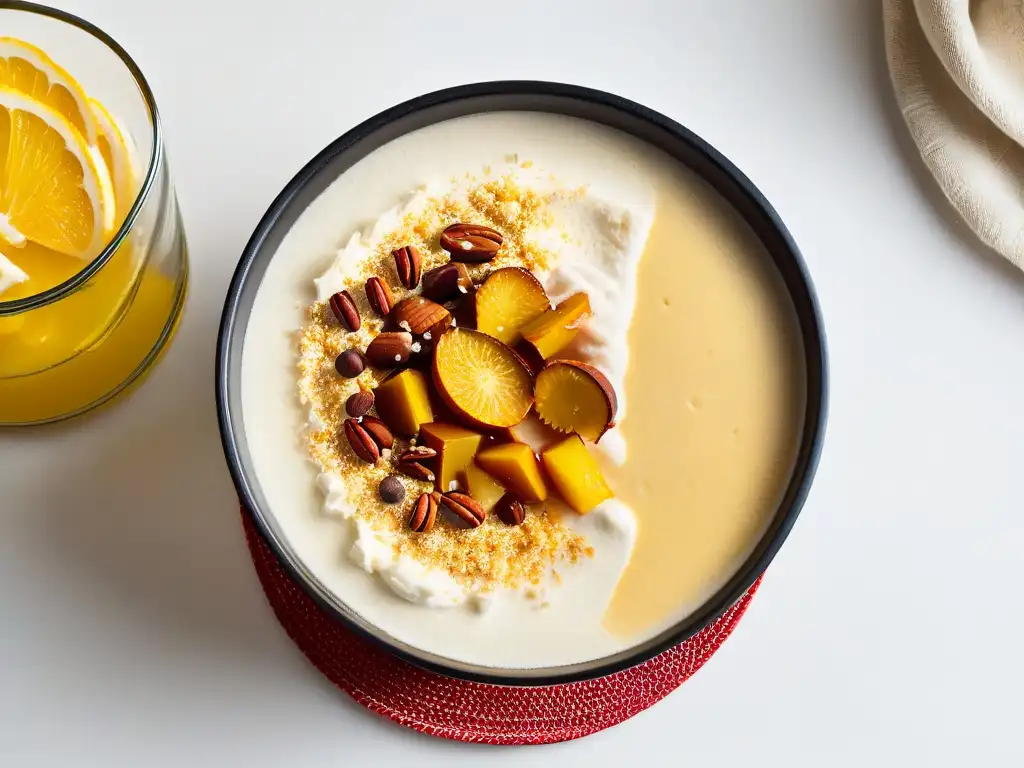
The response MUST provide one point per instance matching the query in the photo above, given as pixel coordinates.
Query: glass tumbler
(79, 332)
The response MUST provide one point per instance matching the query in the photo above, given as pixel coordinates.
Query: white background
(888, 632)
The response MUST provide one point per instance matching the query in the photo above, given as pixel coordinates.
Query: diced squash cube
(515, 465)
(456, 446)
(482, 487)
(554, 330)
(403, 402)
(575, 474)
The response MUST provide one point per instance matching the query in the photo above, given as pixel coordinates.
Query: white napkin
(958, 70)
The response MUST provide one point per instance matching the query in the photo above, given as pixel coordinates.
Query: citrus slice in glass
(26, 68)
(54, 189)
(119, 154)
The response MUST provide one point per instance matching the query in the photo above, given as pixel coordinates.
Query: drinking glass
(75, 345)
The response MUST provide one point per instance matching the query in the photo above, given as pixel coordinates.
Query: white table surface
(132, 629)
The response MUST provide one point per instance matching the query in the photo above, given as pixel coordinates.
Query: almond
(408, 265)
(471, 242)
(390, 349)
(378, 293)
(359, 403)
(422, 316)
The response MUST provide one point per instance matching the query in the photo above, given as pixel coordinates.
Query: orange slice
(54, 189)
(482, 380)
(25, 68)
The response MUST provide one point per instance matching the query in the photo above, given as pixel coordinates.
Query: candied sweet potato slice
(515, 465)
(575, 397)
(576, 475)
(508, 299)
(482, 380)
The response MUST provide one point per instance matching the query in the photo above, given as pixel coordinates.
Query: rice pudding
(607, 390)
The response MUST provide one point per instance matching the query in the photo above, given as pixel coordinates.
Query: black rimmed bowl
(573, 101)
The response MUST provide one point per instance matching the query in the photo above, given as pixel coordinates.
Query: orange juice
(94, 267)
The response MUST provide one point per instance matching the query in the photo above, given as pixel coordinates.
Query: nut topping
(464, 507)
(447, 282)
(471, 242)
(344, 309)
(408, 264)
(410, 463)
(424, 513)
(391, 490)
(362, 442)
(379, 431)
(416, 471)
(378, 293)
(418, 453)
(510, 510)
(390, 349)
(350, 363)
(359, 403)
(422, 316)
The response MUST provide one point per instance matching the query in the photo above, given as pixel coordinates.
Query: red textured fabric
(454, 709)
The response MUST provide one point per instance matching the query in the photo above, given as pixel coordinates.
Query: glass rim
(73, 283)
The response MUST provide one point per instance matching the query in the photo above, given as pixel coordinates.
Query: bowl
(599, 107)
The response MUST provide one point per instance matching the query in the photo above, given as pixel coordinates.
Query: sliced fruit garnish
(482, 487)
(575, 397)
(515, 465)
(456, 447)
(25, 68)
(575, 474)
(481, 379)
(10, 274)
(554, 330)
(52, 189)
(403, 402)
(119, 153)
(508, 299)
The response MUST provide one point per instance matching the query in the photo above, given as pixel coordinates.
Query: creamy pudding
(679, 370)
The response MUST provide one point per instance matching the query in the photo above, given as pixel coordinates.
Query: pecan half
(471, 242)
(378, 293)
(447, 282)
(510, 510)
(418, 453)
(464, 507)
(344, 309)
(424, 513)
(362, 442)
(422, 316)
(390, 349)
(379, 431)
(409, 265)
(415, 470)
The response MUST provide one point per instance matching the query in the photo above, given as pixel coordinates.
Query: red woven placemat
(454, 709)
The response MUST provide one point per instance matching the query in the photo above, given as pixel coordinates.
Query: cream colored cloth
(958, 70)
